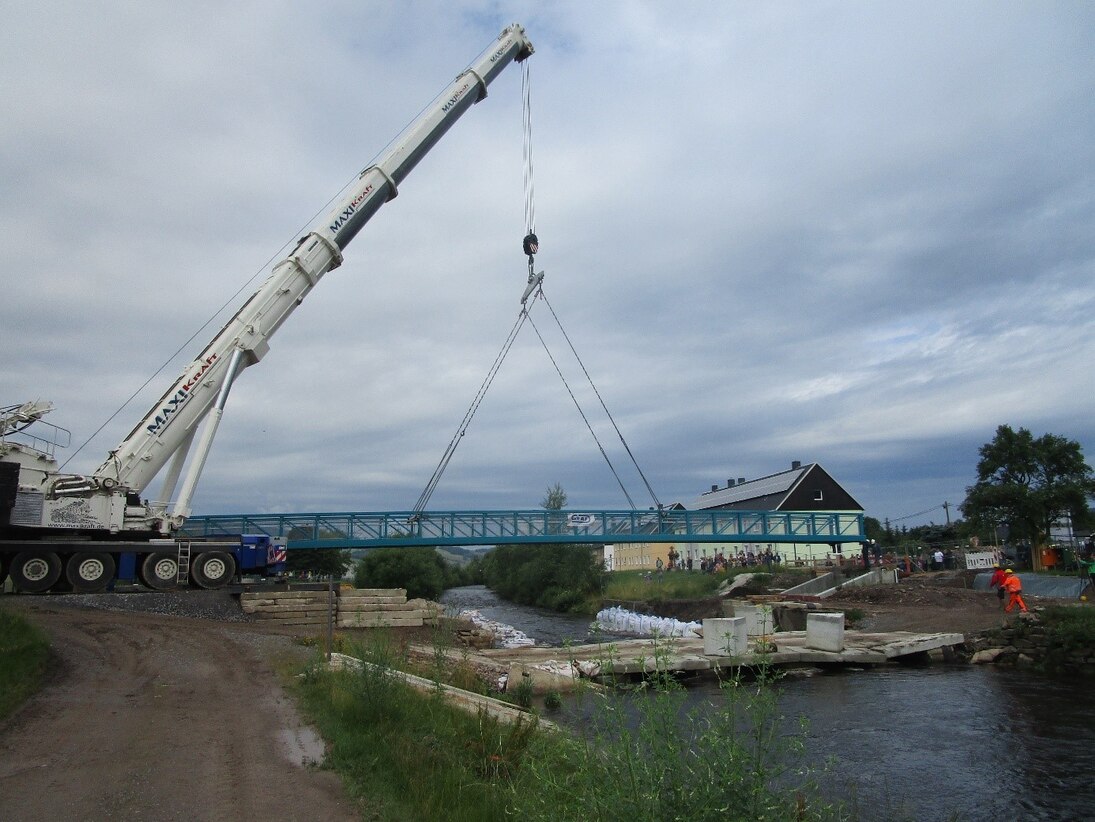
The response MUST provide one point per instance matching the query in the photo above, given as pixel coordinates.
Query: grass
(407, 755)
(24, 651)
(641, 586)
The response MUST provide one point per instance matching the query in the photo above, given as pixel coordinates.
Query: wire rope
(526, 133)
(917, 514)
(462, 428)
(585, 419)
(608, 413)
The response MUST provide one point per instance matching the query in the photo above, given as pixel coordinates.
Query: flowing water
(924, 743)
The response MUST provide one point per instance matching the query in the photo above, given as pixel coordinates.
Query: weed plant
(644, 757)
(24, 651)
(641, 753)
(407, 755)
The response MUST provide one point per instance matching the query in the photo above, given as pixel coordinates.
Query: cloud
(851, 234)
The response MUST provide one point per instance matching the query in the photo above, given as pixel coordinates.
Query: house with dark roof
(800, 488)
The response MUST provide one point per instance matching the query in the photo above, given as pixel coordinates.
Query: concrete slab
(628, 657)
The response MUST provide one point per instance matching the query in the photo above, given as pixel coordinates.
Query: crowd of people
(720, 562)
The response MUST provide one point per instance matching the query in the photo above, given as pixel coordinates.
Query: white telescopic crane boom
(168, 429)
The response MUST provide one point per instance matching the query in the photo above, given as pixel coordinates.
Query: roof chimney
(795, 465)
(714, 488)
(741, 480)
(729, 483)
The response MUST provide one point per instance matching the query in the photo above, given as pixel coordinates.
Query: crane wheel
(213, 569)
(160, 571)
(90, 572)
(35, 571)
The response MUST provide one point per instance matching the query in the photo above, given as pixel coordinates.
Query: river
(916, 743)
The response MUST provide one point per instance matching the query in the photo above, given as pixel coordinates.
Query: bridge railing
(394, 528)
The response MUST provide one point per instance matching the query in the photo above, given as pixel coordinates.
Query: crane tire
(35, 571)
(90, 572)
(213, 569)
(160, 571)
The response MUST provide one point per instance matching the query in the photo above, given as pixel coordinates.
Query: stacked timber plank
(377, 608)
(287, 607)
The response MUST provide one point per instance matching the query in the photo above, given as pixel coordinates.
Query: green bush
(560, 577)
(1069, 629)
(420, 570)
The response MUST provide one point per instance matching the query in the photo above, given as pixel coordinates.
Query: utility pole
(947, 510)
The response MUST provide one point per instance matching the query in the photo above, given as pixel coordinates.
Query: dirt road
(925, 603)
(160, 718)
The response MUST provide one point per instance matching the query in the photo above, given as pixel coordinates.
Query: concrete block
(725, 637)
(825, 632)
(399, 593)
(406, 619)
(349, 606)
(758, 618)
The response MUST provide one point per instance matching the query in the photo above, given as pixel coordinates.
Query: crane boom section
(169, 425)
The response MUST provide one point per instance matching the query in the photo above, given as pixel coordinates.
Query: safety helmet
(1009, 571)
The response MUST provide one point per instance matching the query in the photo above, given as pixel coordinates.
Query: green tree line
(561, 577)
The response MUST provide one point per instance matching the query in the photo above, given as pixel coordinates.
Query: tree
(1028, 484)
(556, 499)
(420, 570)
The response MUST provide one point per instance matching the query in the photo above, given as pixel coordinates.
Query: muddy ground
(942, 602)
(155, 717)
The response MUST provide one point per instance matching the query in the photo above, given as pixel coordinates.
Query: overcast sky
(858, 234)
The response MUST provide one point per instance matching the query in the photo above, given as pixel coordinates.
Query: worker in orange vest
(1014, 586)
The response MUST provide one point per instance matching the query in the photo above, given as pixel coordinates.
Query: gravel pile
(216, 605)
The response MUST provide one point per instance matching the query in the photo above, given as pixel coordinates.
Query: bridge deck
(440, 528)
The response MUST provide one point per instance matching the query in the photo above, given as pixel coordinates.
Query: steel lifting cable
(531, 246)
(424, 497)
(608, 413)
(531, 243)
(577, 405)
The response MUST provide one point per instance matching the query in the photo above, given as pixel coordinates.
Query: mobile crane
(88, 530)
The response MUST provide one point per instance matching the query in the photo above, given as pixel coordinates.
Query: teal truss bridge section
(441, 528)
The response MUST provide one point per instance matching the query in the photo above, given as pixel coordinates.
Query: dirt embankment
(158, 717)
(941, 602)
